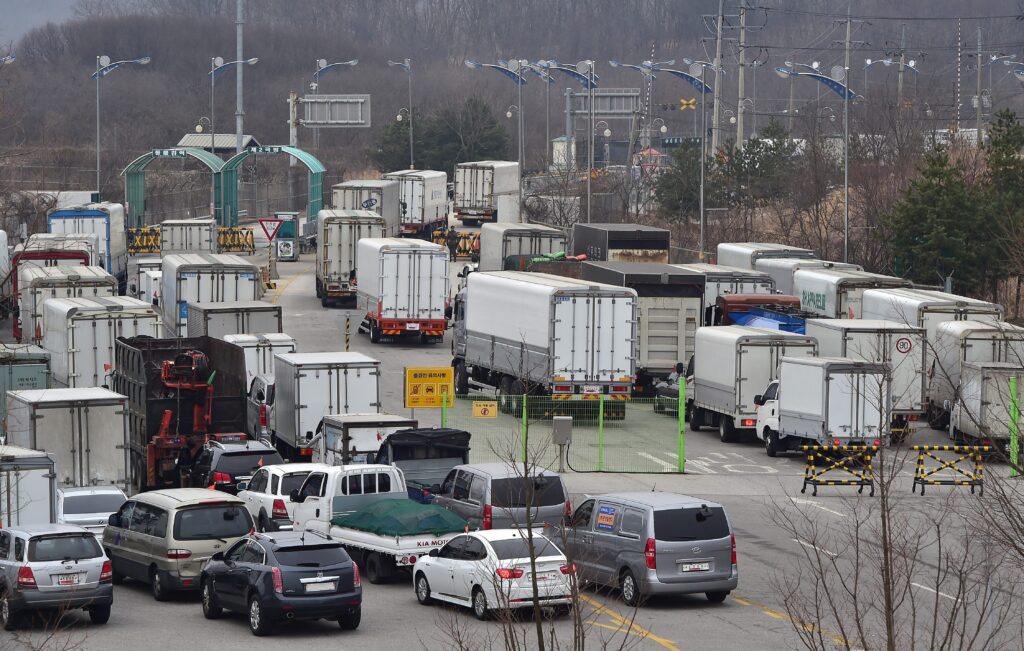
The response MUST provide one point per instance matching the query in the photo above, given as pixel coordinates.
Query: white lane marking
(717, 454)
(934, 591)
(814, 547)
(755, 469)
(702, 466)
(663, 464)
(797, 500)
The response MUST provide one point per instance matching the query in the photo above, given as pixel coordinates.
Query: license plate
(544, 577)
(320, 587)
(694, 567)
(412, 326)
(67, 579)
(591, 389)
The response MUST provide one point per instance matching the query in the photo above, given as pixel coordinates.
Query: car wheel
(717, 597)
(99, 614)
(158, 585)
(630, 588)
(564, 610)
(771, 443)
(261, 523)
(696, 419)
(374, 569)
(423, 589)
(350, 621)
(8, 618)
(210, 608)
(258, 622)
(480, 609)
(726, 429)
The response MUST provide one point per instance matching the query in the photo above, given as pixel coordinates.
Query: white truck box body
(985, 406)
(28, 487)
(825, 399)
(259, 350)
(732, 364)
(380, 197)
(359, 433)
(135, 268)
(745, 254)
(149, 286)
(720, 280)
(782, 269)
(968, 342)
(337, 234)
(839, 294)
(81, 333)
(106, 221)
(487, 190)
(85, 430)
(927, 308)
(422, 199)
(204, 277)
(308, 386)
(37, 284)
(233, 318)
(402, 279)
(22, 368)
(87, 242)
(499, 241)
(188, 236)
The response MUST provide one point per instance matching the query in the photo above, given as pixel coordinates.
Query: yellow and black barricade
(144, 240)
(468, 244)
(237, 239)
(824, 462)
(972, 475)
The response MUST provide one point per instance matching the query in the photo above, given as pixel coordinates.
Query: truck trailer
(621, 242)
(487, 191)
(839, 293)
(204, 277)
(259, 350)
(510, 247)
(233, 318)
(38, 284)
(927, 309)
(337, 234)
(422, 201)
(105, 220)
(720, 280)
(379, 196)
(746, 254)
(188, 236)
(782, 269)
(983, 415)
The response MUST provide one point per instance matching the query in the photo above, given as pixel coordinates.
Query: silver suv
(53, 567)
(495, 495)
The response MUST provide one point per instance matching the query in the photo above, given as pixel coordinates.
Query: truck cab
(768, 413)
(337, 491)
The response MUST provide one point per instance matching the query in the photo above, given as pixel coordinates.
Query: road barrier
(468, 245)
(235, 239)
(960, 476)
(853, 460)
(144, 240)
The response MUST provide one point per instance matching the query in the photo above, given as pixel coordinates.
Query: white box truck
(782, 269)
(487, 191)
(28, 487)
(745, 254)
(86, 243)
(379, 196)
(344, 437)
(21, 368)
(259, 350)
(309, 386)
(839, 294)
(85, 430)
(720, 280)
(422, 201)
(37, 284)
(563, 338)
(135, 268)
(983, 414)
(510, 246)
(926, 308)
(233, 318)
(81, 333)
(199, 277)
(188, 236)
(106, 221)
(402, 288)
(337, 234)
(731, 365)
(149, 286)
(903, 347)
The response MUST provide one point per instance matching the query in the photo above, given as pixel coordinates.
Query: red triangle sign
(276, 226)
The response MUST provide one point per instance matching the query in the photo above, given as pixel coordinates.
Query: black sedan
(283, 576)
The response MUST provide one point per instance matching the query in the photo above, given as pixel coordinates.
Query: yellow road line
(835, 637)
(285, 286)
(627, 626)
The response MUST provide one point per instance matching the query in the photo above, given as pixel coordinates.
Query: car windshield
(98, 503)
(311, 555)
(292, 481)
(206, 522)
(515, 493)
(241, 463)
(59, 548)
(698, 523)
(519, 548)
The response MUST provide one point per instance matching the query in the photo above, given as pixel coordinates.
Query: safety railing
(839, 465)
(966, 468)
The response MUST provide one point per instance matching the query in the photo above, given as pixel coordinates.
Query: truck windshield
(58, 548)
(206, 522)
(240, 463)
(312, 556)
(698, 523)
(99, 503)
(515, 493)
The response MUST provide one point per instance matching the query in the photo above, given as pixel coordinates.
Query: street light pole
(406, 64)
(103, 68)
(703, 136)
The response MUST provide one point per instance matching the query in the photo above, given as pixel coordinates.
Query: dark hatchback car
(283, 576)
(222, 465)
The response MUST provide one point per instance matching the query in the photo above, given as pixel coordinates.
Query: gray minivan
(652, 543)
(495, 495)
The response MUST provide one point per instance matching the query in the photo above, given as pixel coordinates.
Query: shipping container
(621, 242)
(509, 247)
(259, 350)
(337, 234)
(204, 277)
(380, 197)
(782, 269)
(106, 221)
(839, 294)
(745, 254)
(188, 236)
(487, 191)
(233, 318)
(28, 487)
(721, 280)
(422, 200)
(37, 284)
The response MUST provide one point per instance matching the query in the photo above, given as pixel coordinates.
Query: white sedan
(488, 570)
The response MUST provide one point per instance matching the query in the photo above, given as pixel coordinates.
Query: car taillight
(178, 554)
(509, 573)
(263, 415)
(733, 537)
(650, 558)
(568, 508)
(836, 442)
(25, 577)
(107, 573)
(878, 443)
(220, 478)
(279, 510)
(278, 580)
(305, 452)
(749, 422)
(567, 569)
(488, 519)
(357, 581)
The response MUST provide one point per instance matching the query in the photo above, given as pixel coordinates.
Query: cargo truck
(487, 191)
(782, 269)
(28, 487)
(188, 236)
(85, 430)
(746, 254)
(984, 413)
(259, 350)
(308, 386)
(87, 243)
(510, 247)
(422, 201)
(136, 266)
(37, 284)
(81, 335)
(233, 318)
(106, 221)
(926, 308)
(720, 280)
(21, 368)
(337, 234)
(517, 333)
(402, 289)
(149, 287)
(352, 438)
(621, 242)
(731, 365)
(768, 311)
(379, 196)
(204, 277)
(839, 294)
(425, 456)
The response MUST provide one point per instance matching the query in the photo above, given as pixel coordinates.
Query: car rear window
(240, 463)
(101, 503)
(707, 523)
(292, 481)
(515, 493)
(519, 548)
(59, 548)
(311, 555)
(206, 522)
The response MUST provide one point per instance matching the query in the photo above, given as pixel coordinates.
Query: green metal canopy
(135, 180)
(229, 174)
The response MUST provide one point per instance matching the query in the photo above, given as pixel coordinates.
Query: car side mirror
(759, 400)
(114, 520)
(242, 485)
(433, 553)
(219, 556)
(295, 497)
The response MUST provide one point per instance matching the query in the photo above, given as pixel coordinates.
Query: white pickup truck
(366, 508)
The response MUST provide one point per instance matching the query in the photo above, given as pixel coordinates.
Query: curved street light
(104, 66)
(406, 64)
(513, 70)
(217, 66)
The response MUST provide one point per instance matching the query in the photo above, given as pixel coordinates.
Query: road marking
(761, 470)
(664, 464)
(797, 500)
(627, 626)
(285, 286)
(774, 614)
(702, 466)
(934, 591)
(717, 454)
(814, 547)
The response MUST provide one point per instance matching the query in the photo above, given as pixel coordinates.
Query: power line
(806, 12)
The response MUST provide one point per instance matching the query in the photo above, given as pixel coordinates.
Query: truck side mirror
(448, 312)
(759, 400)
(309, 436)
(295, 497)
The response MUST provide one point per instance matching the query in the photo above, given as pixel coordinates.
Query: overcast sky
(19, 16)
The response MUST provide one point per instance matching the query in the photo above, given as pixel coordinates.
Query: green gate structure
(135, 180)
(229, 179)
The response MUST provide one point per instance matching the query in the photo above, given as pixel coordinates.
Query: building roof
(221, 141)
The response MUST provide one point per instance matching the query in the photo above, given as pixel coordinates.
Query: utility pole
(903, 63)
(978, 92)
(742, 75)
(959, 57)
(846, 143)
(239, 86)
(718, 74)
(703, 139)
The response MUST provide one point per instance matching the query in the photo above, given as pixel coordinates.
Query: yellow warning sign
(485, 409)
(425, 386)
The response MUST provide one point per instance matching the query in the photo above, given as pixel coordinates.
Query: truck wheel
(375, 569)
(374, 333)
(771, 442)
(726, 429)
(319, 290)
(696, 419)
(504, 404)
(461, 379)
(324, 302)
(517, 389)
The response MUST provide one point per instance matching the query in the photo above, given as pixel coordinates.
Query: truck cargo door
(611, 340)
(570, 337)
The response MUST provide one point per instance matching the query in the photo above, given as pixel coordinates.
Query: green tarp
(402, 518)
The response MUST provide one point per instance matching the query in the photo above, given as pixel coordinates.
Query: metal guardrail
(960, 476)
(851, 460)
